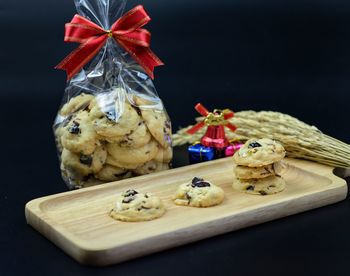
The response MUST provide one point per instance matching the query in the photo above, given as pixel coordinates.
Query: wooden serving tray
(78, 221)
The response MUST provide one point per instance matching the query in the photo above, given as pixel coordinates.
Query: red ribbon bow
(212, 118)
(126, 31)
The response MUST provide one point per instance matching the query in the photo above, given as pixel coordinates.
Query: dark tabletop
(288, 56)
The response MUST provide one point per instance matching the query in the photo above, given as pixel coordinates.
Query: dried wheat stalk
(299, 139)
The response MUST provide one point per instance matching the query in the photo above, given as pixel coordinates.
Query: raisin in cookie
(78, 135)
(132, 206)
(264, 186)
(75, 104)
(198, 193)
(157, 122)
(243, 172)
(259, 152)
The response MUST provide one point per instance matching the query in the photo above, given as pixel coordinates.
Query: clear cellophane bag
(111, 124)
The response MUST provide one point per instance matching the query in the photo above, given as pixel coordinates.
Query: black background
(288, 56)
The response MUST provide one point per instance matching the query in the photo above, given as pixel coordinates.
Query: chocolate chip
(197, 179)
(85, 159)
(200, 184)
(262, 192)
(146, 208)
(74, 129)
(128, 199)
(188, 197)
(254, 145)
(250, 188)
(130, 192)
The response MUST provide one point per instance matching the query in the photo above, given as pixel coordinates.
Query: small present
(232, 148)
(199, 153)
(214, 142)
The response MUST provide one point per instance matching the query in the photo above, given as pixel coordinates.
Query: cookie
(243, 172)
(198, 193)
(157, 122)
(112, 173)
(113, 120)
(75, 104)
(132, 206)
(164, 155)
(71, 163)
(259, 152)
(264, 186)
(79, 165)
(151, 167)
(78, 135)
(115, 162)
(135, 139)
(133, 155)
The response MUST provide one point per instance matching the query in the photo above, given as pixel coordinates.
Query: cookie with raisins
(78, 135)
(198, 193)
(259, 152)
(132, 206)
(264, 186)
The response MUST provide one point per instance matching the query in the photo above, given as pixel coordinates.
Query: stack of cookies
(257, 165)
(108, 137)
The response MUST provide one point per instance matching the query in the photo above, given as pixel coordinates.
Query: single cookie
(198, 193)
(79, 165)
(264, 186)
(112, 173)
(72, 165)
(243, 172)
(76, 103)
(113, 120)
(151, 167)
(157, 122)
(132, 206)
(78, 135)
(133, 155)
(259, 152)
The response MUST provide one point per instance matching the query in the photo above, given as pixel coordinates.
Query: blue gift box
(199, 153)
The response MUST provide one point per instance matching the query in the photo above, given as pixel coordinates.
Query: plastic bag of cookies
(111, 124)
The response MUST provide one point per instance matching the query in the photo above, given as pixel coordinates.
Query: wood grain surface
(78, 221)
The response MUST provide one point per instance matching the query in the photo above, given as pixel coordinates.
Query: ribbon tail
(75, 61)
(195, 128)
(143, 55)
